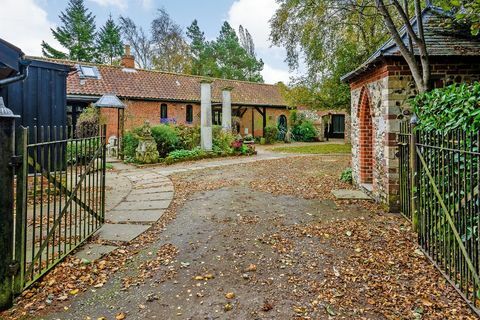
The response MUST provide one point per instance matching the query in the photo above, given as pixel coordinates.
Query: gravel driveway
(266, 240)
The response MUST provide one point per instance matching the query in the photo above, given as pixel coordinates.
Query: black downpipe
(24, 64)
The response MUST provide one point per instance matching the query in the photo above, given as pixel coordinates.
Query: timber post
(413, 171)
(7, 140)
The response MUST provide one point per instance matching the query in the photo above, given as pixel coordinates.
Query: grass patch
(316, 149)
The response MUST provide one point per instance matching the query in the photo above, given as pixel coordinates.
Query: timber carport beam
(263, 113)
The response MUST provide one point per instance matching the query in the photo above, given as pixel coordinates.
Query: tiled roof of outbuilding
(440, 40)
(167, 86)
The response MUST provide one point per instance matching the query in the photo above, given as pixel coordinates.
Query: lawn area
(316, 149)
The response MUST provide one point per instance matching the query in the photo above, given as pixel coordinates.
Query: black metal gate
(60, 197)
(439, 193)
(404, 169)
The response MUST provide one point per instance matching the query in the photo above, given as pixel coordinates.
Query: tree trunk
(420, 71)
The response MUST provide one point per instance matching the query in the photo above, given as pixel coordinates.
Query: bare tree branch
(409, 56)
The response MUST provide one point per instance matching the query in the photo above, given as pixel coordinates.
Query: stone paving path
(141, 205)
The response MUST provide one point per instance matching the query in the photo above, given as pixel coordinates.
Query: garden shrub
(166, 138)
(88, 123)
(305, 131)
(189, 137)
(302, 129)
(271, 133)
(452, 107)
(130, 144)
(82, 151)
(185, 155)
(222, 141)
(249, 138)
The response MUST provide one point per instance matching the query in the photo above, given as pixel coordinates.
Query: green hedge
(166, 138)
(452, 107)
(305, 131)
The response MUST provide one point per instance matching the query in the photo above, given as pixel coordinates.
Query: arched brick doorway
(366, 139)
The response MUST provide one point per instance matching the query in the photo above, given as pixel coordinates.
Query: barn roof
(10, 57)
(164, 86)
(441, 40)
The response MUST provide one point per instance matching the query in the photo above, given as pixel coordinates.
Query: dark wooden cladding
(41, 98)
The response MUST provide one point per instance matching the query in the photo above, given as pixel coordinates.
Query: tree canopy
(171, 51)
(333, 37)
(228, 56)
(336, 36)
(109, 42)
(76, 34)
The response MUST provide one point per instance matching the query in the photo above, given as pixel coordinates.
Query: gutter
(22, 75)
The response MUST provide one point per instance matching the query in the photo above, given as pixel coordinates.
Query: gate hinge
(14, 267)
(16, 161)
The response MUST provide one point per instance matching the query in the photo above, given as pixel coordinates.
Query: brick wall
(137, 112)
(272, 120)
(389, 86)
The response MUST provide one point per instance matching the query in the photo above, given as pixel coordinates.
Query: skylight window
(89, 72)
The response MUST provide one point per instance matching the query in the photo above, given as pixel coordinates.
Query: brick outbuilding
(165, 97)
(380, 89)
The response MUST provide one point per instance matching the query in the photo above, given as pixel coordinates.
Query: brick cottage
(164, 97)
(380, 89)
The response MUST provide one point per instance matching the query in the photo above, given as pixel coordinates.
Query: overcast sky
(29, 22)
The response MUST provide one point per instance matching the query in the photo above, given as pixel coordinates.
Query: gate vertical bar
(103, 143)
(21, 210)
(413, 173)
(7, 138)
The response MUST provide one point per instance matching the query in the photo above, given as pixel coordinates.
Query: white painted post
(227, 109)
(206, 115)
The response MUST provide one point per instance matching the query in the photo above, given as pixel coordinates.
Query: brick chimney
(128, 61)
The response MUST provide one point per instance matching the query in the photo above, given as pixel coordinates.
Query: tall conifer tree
(109, 42)
(76, 34)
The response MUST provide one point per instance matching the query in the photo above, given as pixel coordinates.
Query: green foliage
(249, 137)
(330, 44)
(271, 133)
(226, 57)
(203, 59)
(222, 141)
(233, 61)
(185, 155)
(467, 13)
(81, 151)
(346, 175)
(76, 33)
(170, 49)
(109, 42)
(452, 107)
(88, 123)
(189, 137)
(302, 128)
(130, 144)
(166, 138)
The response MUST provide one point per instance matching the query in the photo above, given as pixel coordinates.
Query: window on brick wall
(189, 115)
(163, 111)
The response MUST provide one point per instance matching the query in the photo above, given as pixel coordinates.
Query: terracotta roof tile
(158, 85)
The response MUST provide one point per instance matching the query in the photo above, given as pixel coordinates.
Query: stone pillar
(206, 115)
(227, 109)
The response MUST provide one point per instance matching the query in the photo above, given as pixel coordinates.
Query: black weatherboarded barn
(40, 99)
